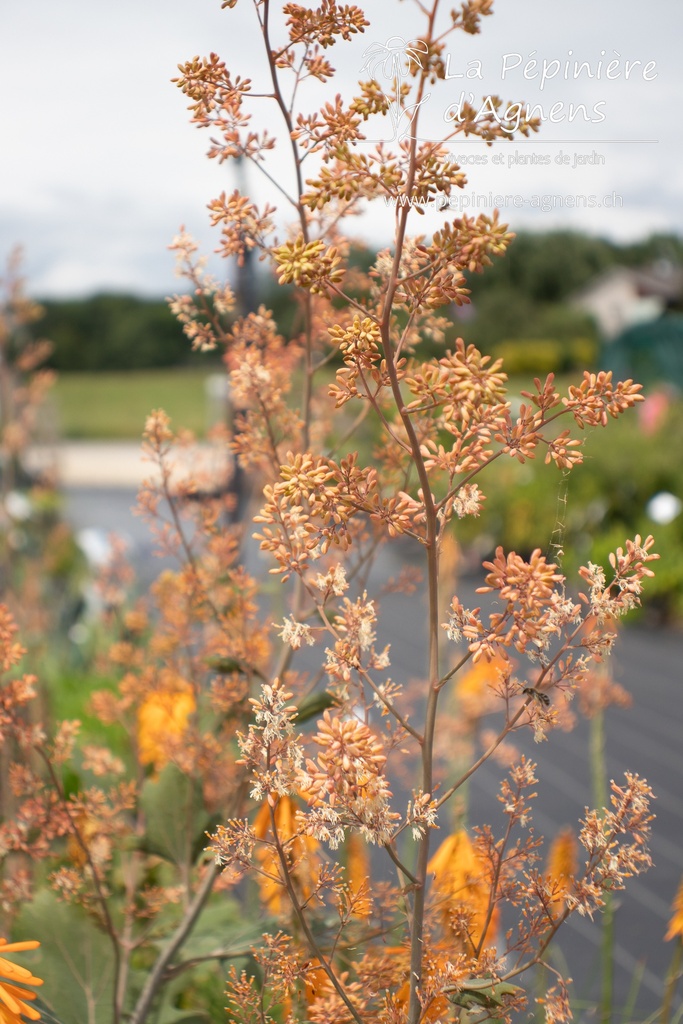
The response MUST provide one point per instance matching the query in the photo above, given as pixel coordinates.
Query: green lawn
(115, 405)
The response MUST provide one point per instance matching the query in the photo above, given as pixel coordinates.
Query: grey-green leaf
(174, 815)
(74, 960)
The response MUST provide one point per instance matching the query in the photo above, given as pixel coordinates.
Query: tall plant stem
(156, 975)
(433, 688)
(599, 782)
(305, 927)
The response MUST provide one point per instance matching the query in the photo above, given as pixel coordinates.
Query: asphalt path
(647, 739)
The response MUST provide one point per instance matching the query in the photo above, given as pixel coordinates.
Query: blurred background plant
(41, 567)
(629, 480)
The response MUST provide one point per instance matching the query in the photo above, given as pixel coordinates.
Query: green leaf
(168, 1012)
(222, 926)
(481, 993)
(71, 782)
(175, 816)
(314, 705)
(74, 960)
(226, 666)
(47, 1016)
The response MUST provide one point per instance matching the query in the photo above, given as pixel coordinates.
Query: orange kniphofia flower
(435, 1013)
(561, 867)
(316, 981)
(460, 880)
(438, 960)
(474, 689)
(13, 978)
(358, 873)
(162, 719)
(676, 922)
(300, 851)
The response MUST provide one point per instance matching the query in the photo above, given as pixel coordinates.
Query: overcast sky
(100, 166)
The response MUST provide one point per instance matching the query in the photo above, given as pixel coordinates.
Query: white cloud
(100, 165)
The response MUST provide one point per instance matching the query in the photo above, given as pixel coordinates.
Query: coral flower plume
(13, 979)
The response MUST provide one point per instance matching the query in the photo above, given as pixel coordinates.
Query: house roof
(662, 279)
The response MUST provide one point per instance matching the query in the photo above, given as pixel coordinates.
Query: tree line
(525, 297)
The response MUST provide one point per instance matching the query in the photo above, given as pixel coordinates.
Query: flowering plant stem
(155, 978)
(599, 779)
